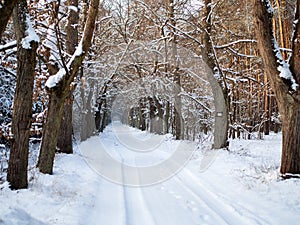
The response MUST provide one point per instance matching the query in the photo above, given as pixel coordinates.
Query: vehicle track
(214, 202)
(135, 207)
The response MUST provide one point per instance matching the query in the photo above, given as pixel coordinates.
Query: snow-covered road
(182, 198)
(89, 188)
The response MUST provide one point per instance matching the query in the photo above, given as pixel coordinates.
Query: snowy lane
(223, 209)
(240, 187)
(135, 205)
(181, 200)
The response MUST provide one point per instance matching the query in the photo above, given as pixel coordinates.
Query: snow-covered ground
(240, 186)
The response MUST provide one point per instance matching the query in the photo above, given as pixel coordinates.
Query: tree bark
(88, 126)
(221, 101)
(178, 120)
(6, 10)
(288, 99)
(266, 106)
(142, 112)
(22, 109)
(58, 94)
(166, 117)
(64, 143)
(104, 116)
(50, 132)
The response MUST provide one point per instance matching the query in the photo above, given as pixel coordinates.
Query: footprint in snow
(191, 206)
(178, 196)
(204, 217)
(171, 192)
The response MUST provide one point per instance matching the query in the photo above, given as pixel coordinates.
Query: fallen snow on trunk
(31, 35)
(241, 186)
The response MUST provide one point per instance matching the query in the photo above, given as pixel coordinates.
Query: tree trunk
(50, 132)
(290, 158)
(22, 109)
(166, 117)
(58, 91)
(152, 110)
(290, 161)
(64, 143)
(281, 6)
(288, 99)
(159, 117)
(6, 10)
(266, 106)
(213, 76)
(104, 116)
(142, 112)
(88, 120)
(178, 121)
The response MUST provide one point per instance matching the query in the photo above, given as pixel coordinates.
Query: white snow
(286, 73)
(284, 67)
(55, 79)
(73, 8)
(31, 35)
(215, 187)
(8, 45)
(236, 42)
(78, 51)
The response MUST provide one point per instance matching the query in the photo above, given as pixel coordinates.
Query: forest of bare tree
(226, 69)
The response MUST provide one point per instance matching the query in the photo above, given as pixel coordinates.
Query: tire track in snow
(217, 212)
(241, 215)
(223, 209)
(135, 202)
(135, 207)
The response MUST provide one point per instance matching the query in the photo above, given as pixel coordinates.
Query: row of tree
(180, 67)
(63, 63)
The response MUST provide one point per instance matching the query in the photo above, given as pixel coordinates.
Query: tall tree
(6, 9)
(216, 80)
(64, 143)
(27, 42)
(178, 122)
(284, 80)
(58, 87)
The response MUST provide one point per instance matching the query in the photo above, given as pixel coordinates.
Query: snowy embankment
(241, 186)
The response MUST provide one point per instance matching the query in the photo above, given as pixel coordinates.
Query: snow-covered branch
(9, 45)
(240, 54)
(76, 60)
(282, 66)
(234, 43)
(198, 102)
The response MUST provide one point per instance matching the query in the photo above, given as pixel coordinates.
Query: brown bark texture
(219, 93)
(64, 143)
(22, 109)
(59, 93)
(178, 120)
(288, 100)
(6, 10)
